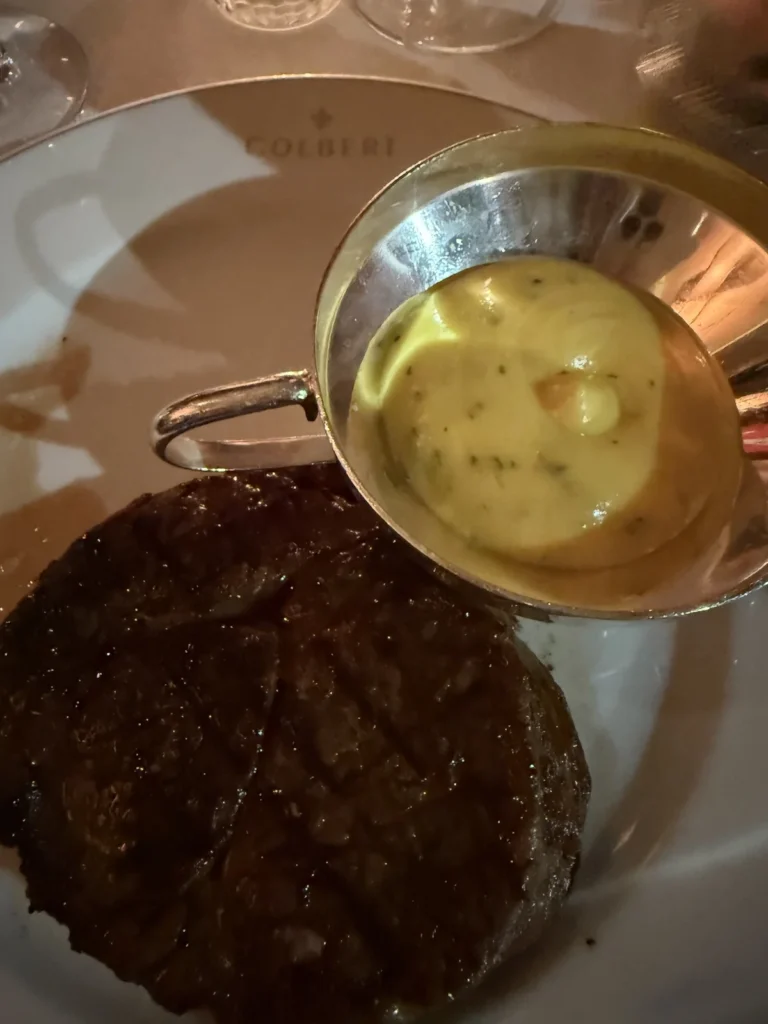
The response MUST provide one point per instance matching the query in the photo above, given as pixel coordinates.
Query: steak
(259, 761)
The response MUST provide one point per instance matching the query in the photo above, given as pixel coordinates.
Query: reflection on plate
(180, 244)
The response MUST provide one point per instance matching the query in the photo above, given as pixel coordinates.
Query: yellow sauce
(549, 417)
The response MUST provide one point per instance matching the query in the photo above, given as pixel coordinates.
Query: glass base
(43, 76)
(276, 15)
(457, 26)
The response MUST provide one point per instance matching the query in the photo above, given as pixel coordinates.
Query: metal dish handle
(175, 421)
(298, 387)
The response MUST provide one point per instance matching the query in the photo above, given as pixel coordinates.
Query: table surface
(581, 68)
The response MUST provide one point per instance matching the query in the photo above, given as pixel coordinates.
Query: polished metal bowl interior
(648, 210)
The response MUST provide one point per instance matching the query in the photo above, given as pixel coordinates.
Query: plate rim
(71, 127)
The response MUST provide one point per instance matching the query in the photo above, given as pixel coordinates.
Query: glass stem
(8, 69)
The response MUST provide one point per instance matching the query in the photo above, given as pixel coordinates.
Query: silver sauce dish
(647, 209)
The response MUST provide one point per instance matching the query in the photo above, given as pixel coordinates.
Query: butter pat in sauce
(548, 414)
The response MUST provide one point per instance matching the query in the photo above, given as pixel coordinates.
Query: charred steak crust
(256, 760)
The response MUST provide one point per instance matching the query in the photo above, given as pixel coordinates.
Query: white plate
(180, 244)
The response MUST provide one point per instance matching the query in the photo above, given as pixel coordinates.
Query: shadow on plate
(38, 525)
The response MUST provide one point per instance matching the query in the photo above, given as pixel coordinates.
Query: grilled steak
(257, 760)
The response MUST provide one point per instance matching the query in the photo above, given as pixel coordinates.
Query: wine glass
(276, 15)
(43, 75)
(459, 26)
